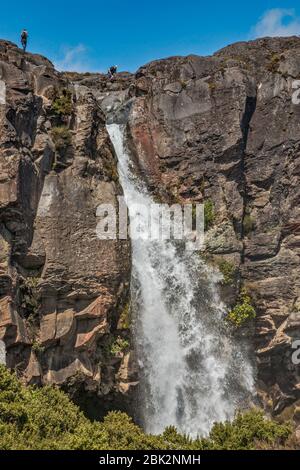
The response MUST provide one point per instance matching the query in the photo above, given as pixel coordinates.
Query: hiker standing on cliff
(112, 71)
(24, 39)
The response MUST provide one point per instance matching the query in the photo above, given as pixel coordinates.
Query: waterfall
(193, 373)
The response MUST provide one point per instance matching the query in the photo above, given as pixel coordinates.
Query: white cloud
(277, 22)
(74, 59)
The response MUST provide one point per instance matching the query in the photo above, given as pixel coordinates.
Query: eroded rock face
(62, 290)
(224, 128)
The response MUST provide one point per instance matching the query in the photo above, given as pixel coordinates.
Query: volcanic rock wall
(62, 289)
(225, 129)
(222, 129)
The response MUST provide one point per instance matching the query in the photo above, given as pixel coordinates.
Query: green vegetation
(212, 86)
(247, 430)
(228, 270)
(248, 224)
(29, 296)
(243, 311)
(42, 418)
(37, 348)
(273, 64)
(209, 214)
(118, 346)
(124, 320)
(62, 104)
(62, 137)
(45, 418)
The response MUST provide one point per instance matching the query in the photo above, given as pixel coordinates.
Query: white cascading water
(193, 373)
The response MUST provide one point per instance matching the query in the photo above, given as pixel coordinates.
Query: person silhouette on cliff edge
(24, 39)
(112, 71)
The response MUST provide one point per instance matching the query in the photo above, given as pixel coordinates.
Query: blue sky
(92, 35)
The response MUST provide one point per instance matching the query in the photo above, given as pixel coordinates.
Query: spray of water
(192, 371)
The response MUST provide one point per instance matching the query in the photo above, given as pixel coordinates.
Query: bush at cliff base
(45, 418)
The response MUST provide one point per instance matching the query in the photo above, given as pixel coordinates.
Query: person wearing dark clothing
(112, 71)
(24, 39)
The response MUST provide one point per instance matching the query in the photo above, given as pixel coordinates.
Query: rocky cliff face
(225, 129)
(222, 129)
(62, 289)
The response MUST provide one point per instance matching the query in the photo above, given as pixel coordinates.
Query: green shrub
(123, 434)
(62, 137)
(246, 431)
(30, 296)
(248, 224)
(37, 348)
(62, 104)
(118, 346)
(209, 214)
(42, 418)
(174, 440)
(45, 418)
(124, 320)
(228, 270)
(243, 311)
(274, 62)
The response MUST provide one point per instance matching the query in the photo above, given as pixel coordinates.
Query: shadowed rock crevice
(250, 107)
